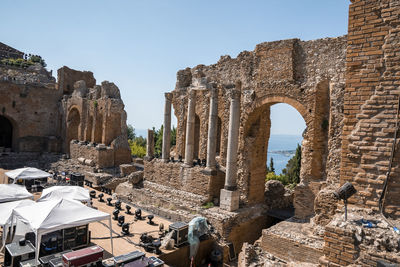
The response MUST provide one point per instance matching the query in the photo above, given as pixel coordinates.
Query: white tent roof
(27, 174)
(12, 192)
(7, 208)
(68, 192)
(56, 214)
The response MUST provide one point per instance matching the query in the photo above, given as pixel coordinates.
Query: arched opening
(89, 129)
(98, 128)
(257, 133)
(196, 137)
(6, 133)
(73, 125)
(286, 130)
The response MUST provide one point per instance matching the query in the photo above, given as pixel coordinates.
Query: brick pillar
(212, 130)
(167, 128)
(230, 195)
(189, 146)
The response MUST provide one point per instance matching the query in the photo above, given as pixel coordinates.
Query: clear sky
(140, 45)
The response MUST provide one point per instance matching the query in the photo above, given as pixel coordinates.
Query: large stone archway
(6, 132)
(73, 125)
(256, 134)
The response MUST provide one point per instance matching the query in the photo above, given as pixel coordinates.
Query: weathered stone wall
(192, 180)
(29, 100)
(371, 102)
(95, 115)
(363, 247)
(306, 75)
(101, 156)
(66, 78)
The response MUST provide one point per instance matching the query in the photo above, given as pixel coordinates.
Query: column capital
(213, 92)
(234, 94)
(192, 93)
(168, 96)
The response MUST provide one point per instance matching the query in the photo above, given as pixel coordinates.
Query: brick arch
(271, 100)
(256, 134)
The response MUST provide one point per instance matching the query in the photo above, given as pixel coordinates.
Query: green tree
(131, 132)
(158, 139)
(271, 165)
(293, 167)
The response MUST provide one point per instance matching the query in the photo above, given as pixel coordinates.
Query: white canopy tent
(27, 174)
(68, 192)
(13, 192)
(6, 210)
(56, 214)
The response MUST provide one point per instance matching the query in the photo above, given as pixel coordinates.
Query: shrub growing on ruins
(137, 147)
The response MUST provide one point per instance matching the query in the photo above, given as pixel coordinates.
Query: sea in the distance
(279, 143)
(276, 143)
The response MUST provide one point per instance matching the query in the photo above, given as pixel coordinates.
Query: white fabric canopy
(56, 214)
(27, 174)
(12, 192)
(6, 210)
(68, 192)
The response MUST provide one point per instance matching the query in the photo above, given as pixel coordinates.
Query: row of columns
(229, 198)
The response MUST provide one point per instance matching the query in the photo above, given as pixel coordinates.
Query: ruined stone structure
(347, 91)
(223, 112)
(9, 52)
(73, 116)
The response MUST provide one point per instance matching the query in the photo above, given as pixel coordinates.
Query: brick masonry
(370, 104)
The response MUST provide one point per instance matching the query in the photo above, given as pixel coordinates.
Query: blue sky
(140, 45)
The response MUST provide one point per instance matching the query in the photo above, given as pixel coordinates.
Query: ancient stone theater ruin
(72, 116)
(347, 91)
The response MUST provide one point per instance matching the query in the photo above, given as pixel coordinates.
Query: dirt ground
(122, 244)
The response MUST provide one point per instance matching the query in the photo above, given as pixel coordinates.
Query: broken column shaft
(230, 195)
(212, 130)
(167, 128)
(191, 116)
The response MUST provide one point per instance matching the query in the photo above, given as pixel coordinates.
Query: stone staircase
(162, 200)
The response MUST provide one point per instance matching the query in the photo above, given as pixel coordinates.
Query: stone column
(230, 195)
(212, 130)
(190, 121)
(167, 128)
(150, 145)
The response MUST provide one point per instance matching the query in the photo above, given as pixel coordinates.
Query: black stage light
(115, 214)
(345, 192)
(128, 209)
(101, 195)
(138, 214)
(125, 229)
(92, 194)
(109, 199)
(121, 220)
(157, 244)
(118, 204)
(150, 217)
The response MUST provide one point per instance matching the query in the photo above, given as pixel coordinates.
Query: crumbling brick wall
(371, 100)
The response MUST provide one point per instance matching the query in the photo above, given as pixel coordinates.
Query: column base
(229, 200)
(209, 171)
